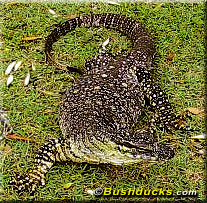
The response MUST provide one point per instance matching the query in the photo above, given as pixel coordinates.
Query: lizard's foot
(163, 152)
(28, 182)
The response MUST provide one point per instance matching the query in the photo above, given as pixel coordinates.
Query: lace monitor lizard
(98, 113)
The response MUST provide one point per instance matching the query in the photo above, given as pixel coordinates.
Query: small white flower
(17, 65)
(10, 67)
(52, 12)
(9, 80)
(26, 81)
(105, 43)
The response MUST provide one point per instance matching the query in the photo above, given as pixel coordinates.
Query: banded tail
(142, 42)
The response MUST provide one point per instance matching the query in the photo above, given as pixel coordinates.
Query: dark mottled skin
(99, 111)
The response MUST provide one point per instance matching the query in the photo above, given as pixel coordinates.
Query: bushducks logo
(109, 192)
(131, 192)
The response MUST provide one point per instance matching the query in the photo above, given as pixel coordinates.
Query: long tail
(141, 40)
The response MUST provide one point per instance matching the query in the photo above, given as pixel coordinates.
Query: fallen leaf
(196, 111)
(19, 138)
(48, 92)
(90, 192)
(202, 151)
(67, 185)
(105, 43)
(113, 2)
(201, 136)
(4, 60)
(31, 38)
(1, 190)
(71, 16)
(10, 67)
(52, 12)
(5, 149)
(27, 78)
(171, 55)
(33, 67)
(9, 80)
(50, 111)
(18, 64)
(195, 177)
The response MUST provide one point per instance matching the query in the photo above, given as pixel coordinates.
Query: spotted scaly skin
(99, 112)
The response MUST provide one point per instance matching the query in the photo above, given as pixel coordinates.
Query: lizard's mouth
(112, 153)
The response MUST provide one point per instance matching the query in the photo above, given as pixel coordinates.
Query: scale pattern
(99, 112)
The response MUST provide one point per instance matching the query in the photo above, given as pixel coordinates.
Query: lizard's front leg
(158, 100)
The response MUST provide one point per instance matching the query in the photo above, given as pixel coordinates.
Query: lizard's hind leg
(51, 152)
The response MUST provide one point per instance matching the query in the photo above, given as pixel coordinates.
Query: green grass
(178, 29)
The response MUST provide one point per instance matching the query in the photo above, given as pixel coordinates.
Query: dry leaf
(67, 185)
(5, 149)
(16, 137)
(201, 136)
(196, 111)
(171, 55)
(195, 177)
(48, 92)
(31, 38)
(71, 16)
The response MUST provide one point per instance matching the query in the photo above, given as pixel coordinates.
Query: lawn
(178, 31)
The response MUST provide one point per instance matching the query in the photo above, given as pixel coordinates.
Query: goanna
(99, 112)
